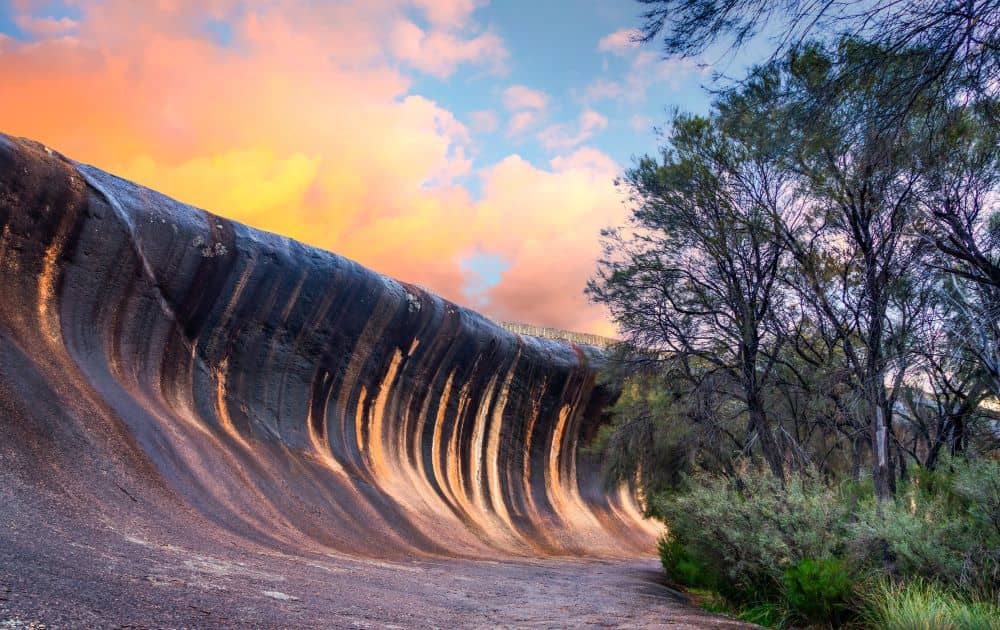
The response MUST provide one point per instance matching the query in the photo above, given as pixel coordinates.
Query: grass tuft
(920, 605)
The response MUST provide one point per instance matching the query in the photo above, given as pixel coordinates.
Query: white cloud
(646, 69)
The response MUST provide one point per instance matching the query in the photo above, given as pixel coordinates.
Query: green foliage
(944, 526)
(748, 532)
(798, 550)
(920, 605)
(711, 601)
(684, 566)
(862, 170)
(657, 430)
(819, 590)
(768, 614)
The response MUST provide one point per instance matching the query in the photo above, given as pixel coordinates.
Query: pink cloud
(45, 27)
(522, 121)
(485, 121)
(563, 136)
(619, 42)
(526, 105)
(520, 97)
(566, 207)
(448, 13)
(439, 53)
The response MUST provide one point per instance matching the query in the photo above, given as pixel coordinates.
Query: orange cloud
(306, 125)
(565, 206)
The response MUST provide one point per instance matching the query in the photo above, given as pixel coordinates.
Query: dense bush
(944, 526)
(686, 567)
(744, 535)
(819, 590)
(812, 549)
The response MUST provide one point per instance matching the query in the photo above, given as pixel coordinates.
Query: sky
(466, 146)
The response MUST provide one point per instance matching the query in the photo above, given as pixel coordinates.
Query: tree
(694, 279)
(950, 51)
(855, 245)
(956, 41)
(958, 199)
(942, 403)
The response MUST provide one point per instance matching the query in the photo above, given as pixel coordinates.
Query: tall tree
(854, 244)
(694, 278)
(958, 196)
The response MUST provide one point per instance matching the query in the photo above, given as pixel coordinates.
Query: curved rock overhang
(219, 376)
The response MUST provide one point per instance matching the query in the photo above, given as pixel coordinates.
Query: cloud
(519, 97)
(619, 42)
(306, 124)
(485, 121)
(527, 107)
(602, 89)
(522, 121)
(562, 136)
(45, 27)
(646, 69)
(448, 13)
(640, 124)
(566, 206)
(440, 53)
(483, 271)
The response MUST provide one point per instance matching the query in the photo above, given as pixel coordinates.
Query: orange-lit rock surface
(205, 424)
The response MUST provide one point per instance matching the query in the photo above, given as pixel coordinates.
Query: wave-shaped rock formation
(165, 368)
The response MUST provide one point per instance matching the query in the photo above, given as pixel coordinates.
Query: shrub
(796, 548)
(684, 567)
(921, 605)
(819, 590)
(944, 526)
(745, 537)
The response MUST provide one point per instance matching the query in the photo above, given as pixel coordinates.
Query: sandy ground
(113, 579)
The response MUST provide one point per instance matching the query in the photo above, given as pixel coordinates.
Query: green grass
(925, 606)
(767, 614)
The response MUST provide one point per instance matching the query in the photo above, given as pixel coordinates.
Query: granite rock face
(165, 369)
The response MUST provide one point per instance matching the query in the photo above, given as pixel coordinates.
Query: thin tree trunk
(855, 458)
(881, 472)
(768, 445)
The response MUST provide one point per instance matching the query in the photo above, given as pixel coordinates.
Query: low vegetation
(808, 551)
